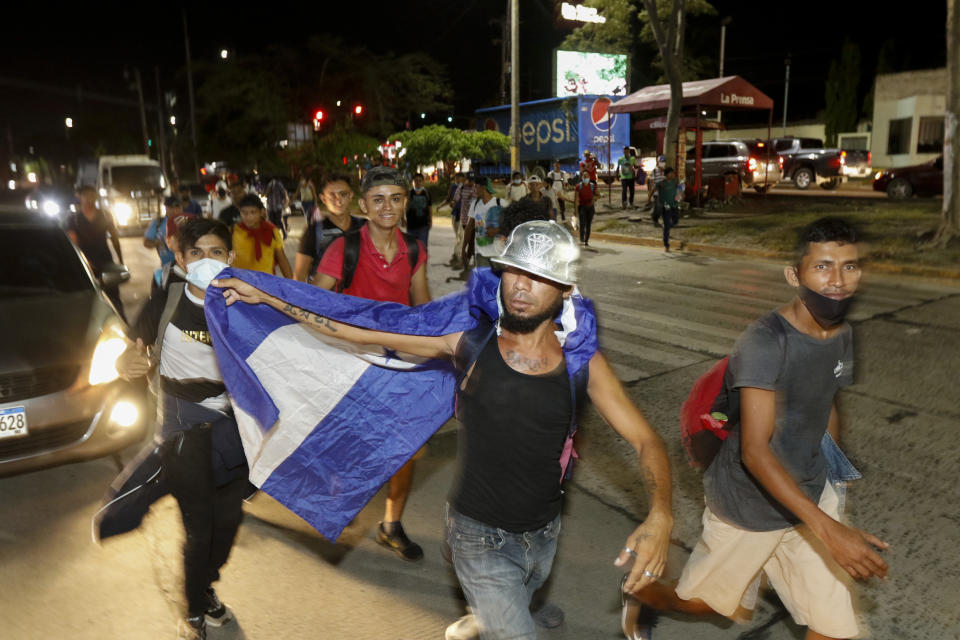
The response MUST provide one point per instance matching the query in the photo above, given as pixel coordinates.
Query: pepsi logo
(600, 114)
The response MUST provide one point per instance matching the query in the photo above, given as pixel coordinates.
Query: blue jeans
(499, 572)
(422, 234)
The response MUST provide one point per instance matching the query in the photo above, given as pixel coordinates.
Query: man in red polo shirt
(390, 267)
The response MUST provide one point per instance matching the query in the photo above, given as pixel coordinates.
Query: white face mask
(201, 272)
(517, 181)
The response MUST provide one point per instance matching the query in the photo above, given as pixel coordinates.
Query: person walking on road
(389, 266)
(308, 196)
(258, 244)
(627, 166)
(419, 215)
(277, 201)
(590, 165)
(454, 201)
(201, 456)
(88, 228)
(336, 194)
(583, 198)
(519, 392)
(771, 508)
(517, 188)
(667, 202)
(558, 179)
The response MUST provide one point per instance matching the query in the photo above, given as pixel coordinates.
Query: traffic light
(318, 115)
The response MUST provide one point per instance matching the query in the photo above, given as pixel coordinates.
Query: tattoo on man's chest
(523, 363)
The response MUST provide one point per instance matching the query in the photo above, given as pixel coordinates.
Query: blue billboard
(563, 128)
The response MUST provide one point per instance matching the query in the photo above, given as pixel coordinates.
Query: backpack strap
(351, 256)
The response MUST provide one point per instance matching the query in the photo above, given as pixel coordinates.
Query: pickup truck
(805, 162)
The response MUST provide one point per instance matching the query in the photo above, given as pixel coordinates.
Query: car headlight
(877, 175)
(124, 414)
(51, 208)
(110, 346)
(122, 212)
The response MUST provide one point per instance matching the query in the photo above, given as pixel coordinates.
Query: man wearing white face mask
(202, 456)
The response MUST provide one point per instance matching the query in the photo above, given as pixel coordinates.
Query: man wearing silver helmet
(521, 378)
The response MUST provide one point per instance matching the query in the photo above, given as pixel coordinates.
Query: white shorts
(725, 567)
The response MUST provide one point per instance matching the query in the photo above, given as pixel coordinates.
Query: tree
(436, 143)
(950, 215)
(668, 31)
(840, 93)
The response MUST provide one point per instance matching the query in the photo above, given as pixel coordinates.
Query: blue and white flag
(326, 423)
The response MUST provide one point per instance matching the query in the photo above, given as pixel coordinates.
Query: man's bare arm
(651, 540)
(301, 267)
(236, 290)
(850, 547)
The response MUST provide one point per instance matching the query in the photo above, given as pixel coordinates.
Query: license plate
(13, 422)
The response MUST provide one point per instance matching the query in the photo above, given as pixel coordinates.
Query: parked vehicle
(806, 162)
(753, 161)
(131, 188)
(61, 399)
(921, 179)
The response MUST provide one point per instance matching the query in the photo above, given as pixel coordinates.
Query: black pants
(586, 219)
(671, 216)
(276, 217)
(561, 209)
(625, 186)
(211, 514)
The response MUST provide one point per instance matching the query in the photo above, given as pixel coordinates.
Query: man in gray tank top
(770, 508)
(517, 409)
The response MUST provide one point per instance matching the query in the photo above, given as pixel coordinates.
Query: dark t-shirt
(92, 238)
(513, 429)
(806, 374)
(418, 215)
(308, 241)
(230, 215)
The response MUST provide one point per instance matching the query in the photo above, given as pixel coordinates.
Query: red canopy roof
(727, 93)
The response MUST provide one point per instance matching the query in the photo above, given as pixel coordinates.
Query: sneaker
(466, 628)
(636, 620)
(192, 628)
(217, 613)
(398, 541)
(548, 616)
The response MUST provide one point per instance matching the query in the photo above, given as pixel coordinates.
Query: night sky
(90, 46)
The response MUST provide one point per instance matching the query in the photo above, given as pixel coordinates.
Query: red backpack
(711, 410)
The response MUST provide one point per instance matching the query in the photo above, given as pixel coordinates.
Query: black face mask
(826, 311)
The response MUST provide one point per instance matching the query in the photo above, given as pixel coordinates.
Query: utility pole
(786, 94)
(514, 85)
(161, 138)
(143, 112)
(723, 47)
(193, 114)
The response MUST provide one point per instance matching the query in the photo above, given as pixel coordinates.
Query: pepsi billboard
(561, 128)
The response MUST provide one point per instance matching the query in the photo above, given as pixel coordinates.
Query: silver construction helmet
(543, 248)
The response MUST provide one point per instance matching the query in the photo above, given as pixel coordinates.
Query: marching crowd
(771, 504)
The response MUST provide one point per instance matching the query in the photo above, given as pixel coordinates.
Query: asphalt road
(664, 320)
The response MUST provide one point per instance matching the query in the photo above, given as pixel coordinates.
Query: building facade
(908, 111)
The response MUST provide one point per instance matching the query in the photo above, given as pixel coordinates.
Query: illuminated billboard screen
(581, 73)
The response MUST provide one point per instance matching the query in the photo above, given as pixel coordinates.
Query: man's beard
(518, 324)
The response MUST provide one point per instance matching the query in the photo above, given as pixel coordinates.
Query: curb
(896, 268)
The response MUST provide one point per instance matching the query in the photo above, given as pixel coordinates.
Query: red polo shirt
(374, 278)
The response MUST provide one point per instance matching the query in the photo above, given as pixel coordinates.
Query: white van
(131, 188)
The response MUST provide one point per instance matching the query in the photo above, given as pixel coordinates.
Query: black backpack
(351, 256)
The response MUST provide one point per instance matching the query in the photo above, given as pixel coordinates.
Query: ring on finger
(650, 574)
(630, 551)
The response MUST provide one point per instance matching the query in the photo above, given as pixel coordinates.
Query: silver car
(754, 161)
(60, 397)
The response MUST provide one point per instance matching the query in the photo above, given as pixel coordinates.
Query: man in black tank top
(516, 403)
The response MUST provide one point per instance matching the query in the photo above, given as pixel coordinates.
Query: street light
(423, 116)
(173, 121)
(223, 54)
(449, 118)
(69, 123)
